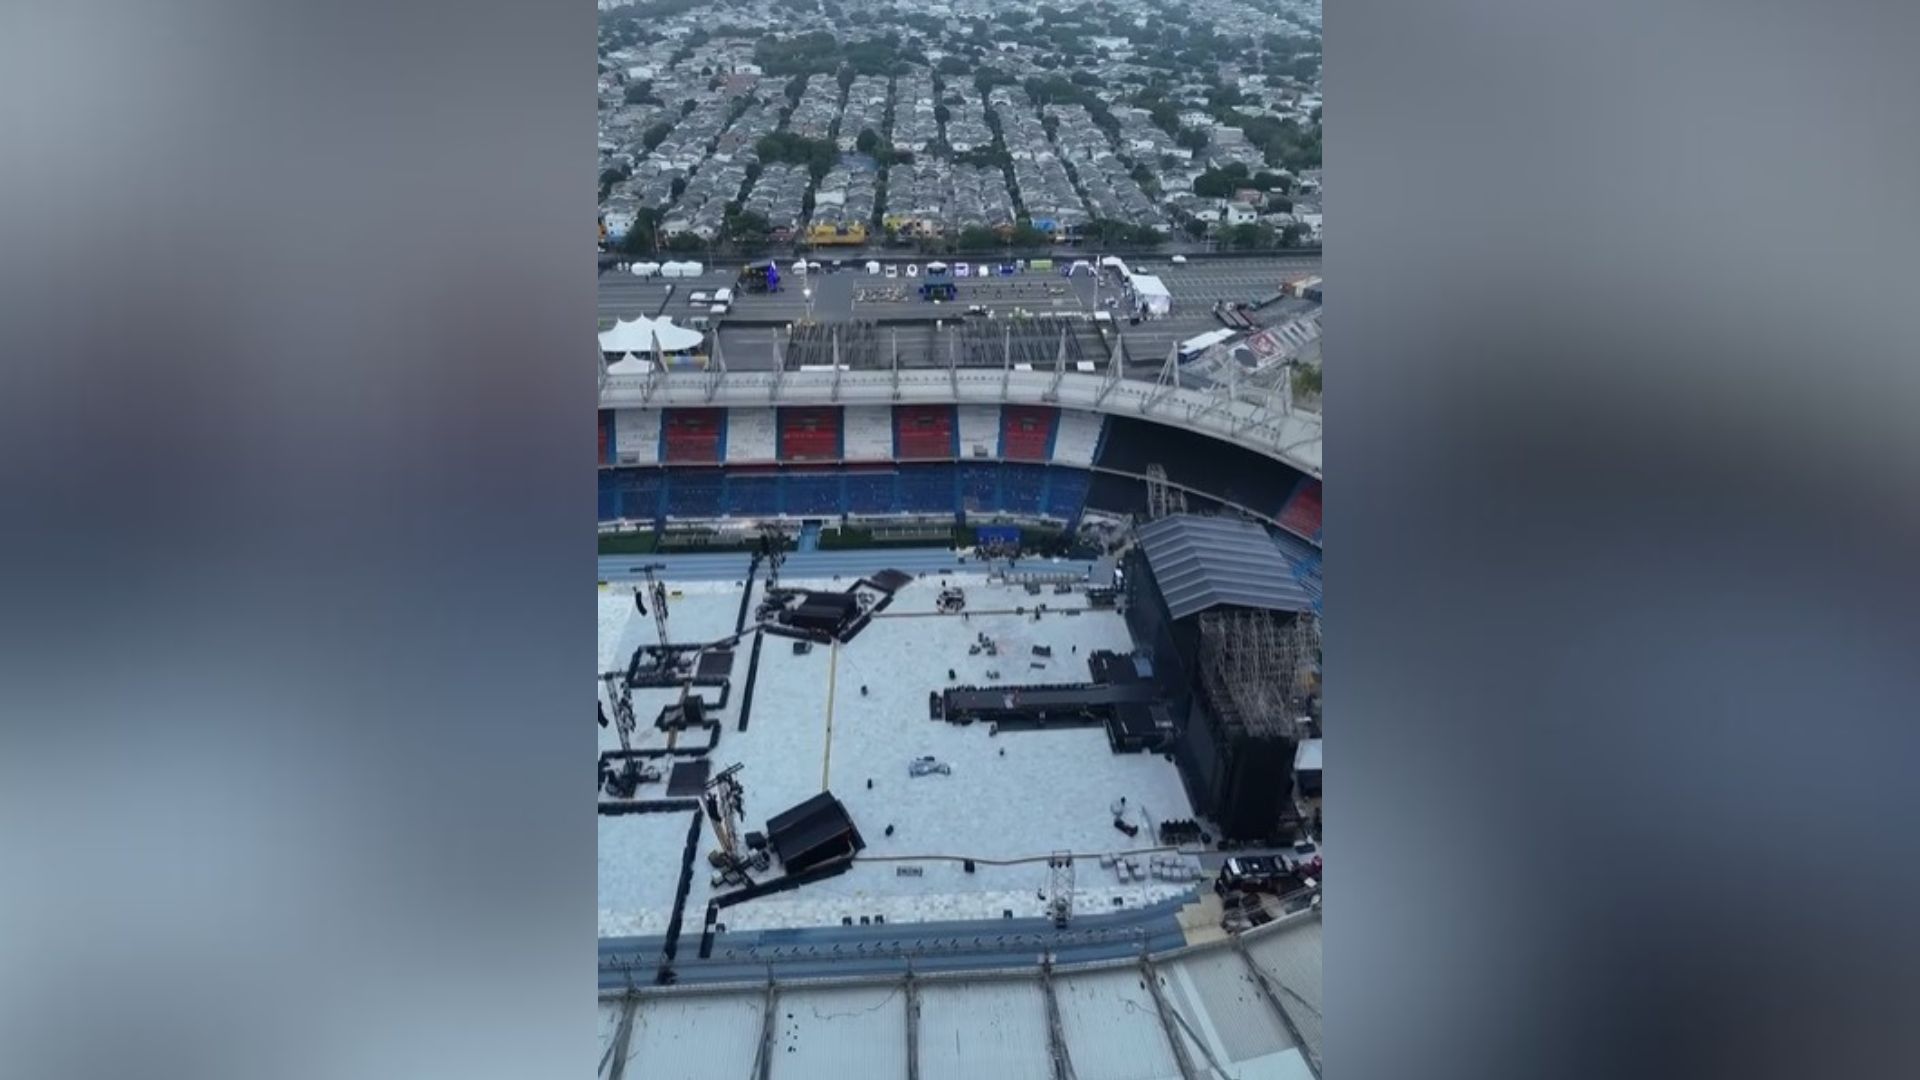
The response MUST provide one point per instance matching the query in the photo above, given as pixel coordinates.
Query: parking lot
(748, 331)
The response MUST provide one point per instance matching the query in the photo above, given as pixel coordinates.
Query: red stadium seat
(810, 433)
(693, 435)
(1301, 515)
(1025, 431)
(924, 432)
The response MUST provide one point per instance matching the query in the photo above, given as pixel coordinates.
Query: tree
(867, 141)
(679, 186)
(1293, 235)
(656, 134)
(747, 227)
(942, 114)
(643, 237)
(951, 65)
(640, 93)
(978, 238)
(1193, 139)
(1306, 380)
(1025, 235)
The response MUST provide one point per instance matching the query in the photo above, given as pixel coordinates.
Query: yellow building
(831, 233)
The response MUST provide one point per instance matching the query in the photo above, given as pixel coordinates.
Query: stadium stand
(810, 433)
(694, 435)
(1116, 494)
(752, 494)
(750, 435)
(629, 494)
(816, 494)
(1303, 559)
(980, 486)
(1026, 431)
(1066, 493)
(869, 432)
(869, 490)
(926, 489)
(979, 430)
(1197, 461)
(1077, 437)
(1301, 514)
(636, 436)
(608, 495)
(1023, 488)
(923, 432)
(693, 492)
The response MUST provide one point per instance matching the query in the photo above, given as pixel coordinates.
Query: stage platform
(1007, 801)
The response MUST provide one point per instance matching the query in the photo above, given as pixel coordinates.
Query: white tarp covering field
(1014, 796)
(640, 856)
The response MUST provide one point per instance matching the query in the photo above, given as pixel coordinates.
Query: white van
(892, 270)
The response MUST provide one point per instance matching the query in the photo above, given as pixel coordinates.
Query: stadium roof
(1219, 1010)
(1204, 562)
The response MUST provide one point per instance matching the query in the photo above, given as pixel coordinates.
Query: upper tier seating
(1025, 432)
(979, 430)
(636, 436)
(869, 432)
(750, 435)
(923, 432)
(810, 433)
(1077, 438)
(694, 435)
(1302, 512)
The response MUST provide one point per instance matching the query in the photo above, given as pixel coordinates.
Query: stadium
(945, 695)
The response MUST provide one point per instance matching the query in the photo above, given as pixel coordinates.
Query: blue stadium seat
(869, 492)
(813, 493)
(636, 493)
(693, 493)
(1022, 488)
(1067, 493)
(926, 489)
(753, 494)
(980, 487)
(609, 497)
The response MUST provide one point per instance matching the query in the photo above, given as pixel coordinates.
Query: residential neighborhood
(743, 125)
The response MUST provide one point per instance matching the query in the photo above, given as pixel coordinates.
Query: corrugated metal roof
(1290, 957)
(972, 1030)
(1215, 993)
(996, 1025)
(1112, 1027)
(842, 1032)
(1203, 562)
(696, 1035)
